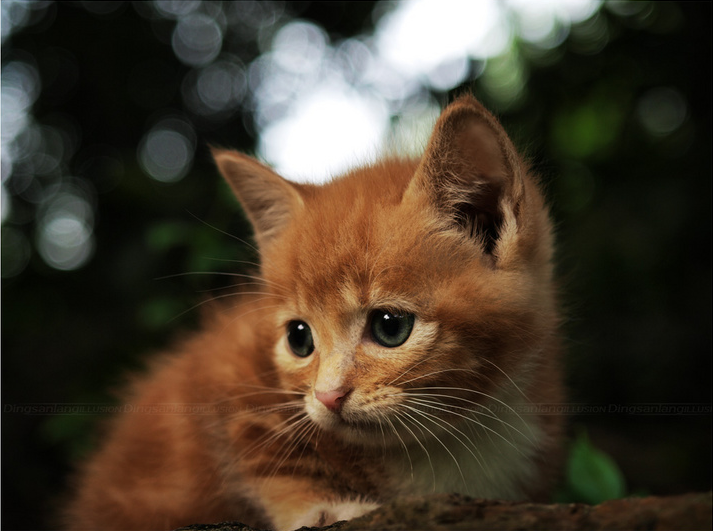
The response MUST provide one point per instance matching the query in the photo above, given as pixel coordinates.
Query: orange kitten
(408, 313)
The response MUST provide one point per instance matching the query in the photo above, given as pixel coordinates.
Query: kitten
(406, 314)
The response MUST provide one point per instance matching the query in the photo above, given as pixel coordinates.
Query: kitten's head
(408, 283)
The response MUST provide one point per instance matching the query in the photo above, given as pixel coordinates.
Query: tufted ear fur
(269, 200)
(470, 171)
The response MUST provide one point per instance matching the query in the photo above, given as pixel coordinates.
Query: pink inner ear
(478, 144)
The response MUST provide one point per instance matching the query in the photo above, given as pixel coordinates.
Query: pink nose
(333, 399)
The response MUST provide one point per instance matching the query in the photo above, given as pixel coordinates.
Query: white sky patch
(328, 132)
(317, 114)
(537, 21)
(421, 35)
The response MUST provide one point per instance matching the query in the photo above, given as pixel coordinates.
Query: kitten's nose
(333, 399)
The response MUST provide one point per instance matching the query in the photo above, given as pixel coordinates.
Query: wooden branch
(450, 512)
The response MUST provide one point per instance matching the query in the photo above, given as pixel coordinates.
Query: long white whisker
(238, 287)
(275, 433)
(268, 387)
(438, 439)
(233, 261)
(411, 368)
(474, 391)
(247, 412)
(435, 419)
(396, 432)
(225, 274)
(233, 236)
(304, 439)
(383, 439)
(244, 314)
(418, 441)
(471, 419)
(437, 372)
(224, 296)
(298, 428)
(508, 377)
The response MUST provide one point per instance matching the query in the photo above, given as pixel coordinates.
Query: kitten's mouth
(353, 422)
(360, 430)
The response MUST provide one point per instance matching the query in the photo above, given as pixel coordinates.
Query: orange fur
(461, 241)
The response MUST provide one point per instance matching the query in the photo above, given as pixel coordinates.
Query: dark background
(632, 207)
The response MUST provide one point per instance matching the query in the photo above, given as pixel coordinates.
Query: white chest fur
(488, 455)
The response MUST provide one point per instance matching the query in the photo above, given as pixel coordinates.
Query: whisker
(274, 433)
(474, 391)
(447, 427)
(237, 286)
(410, 369)
(398, 415)
(232, 261)
(298, 429)
(233, 236)
(224, 296)
(244, 314)
(263, 389)
(225, 274)
(508, 377)
(304, 440)
(455, 369)
(383, 439)
(437, 439)
(266, 440)
(475, 412)
(259, 380)
(403, 444)
(247, 412)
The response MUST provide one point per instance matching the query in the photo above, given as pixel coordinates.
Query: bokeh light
(17, 14)
(316, 105)
(20, 89)
(166, 151)
(197, 39)
(418, 45)
(65, 237)
(217, 90)
(176, 8)
(662, 110)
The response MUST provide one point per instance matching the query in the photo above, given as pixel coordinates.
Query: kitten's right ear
(269, 200)
(471, 172)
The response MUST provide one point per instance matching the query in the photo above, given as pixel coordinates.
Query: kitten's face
(380, 309)
(408, 290)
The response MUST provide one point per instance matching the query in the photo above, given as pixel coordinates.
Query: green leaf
(592, 475)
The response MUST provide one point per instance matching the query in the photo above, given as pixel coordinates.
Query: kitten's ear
(268, 200)
(470, 171)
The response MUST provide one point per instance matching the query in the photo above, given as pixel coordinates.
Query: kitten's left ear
(471, 172)
(268, 200)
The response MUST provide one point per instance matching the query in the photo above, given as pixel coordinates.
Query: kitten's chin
(362, 431)
(364, 434)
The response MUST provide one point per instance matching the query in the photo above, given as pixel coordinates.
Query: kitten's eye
(299, 336)
(391, 329)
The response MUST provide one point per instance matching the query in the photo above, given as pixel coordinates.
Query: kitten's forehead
(356, 246)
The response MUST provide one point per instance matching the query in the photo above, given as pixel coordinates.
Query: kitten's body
(252, 430)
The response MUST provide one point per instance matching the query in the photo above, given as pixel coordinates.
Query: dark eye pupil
(299, 337)
(391, 329)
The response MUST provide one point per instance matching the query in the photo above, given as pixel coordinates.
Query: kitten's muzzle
(333, 399)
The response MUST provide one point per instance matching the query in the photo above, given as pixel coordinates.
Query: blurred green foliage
(591, 476)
